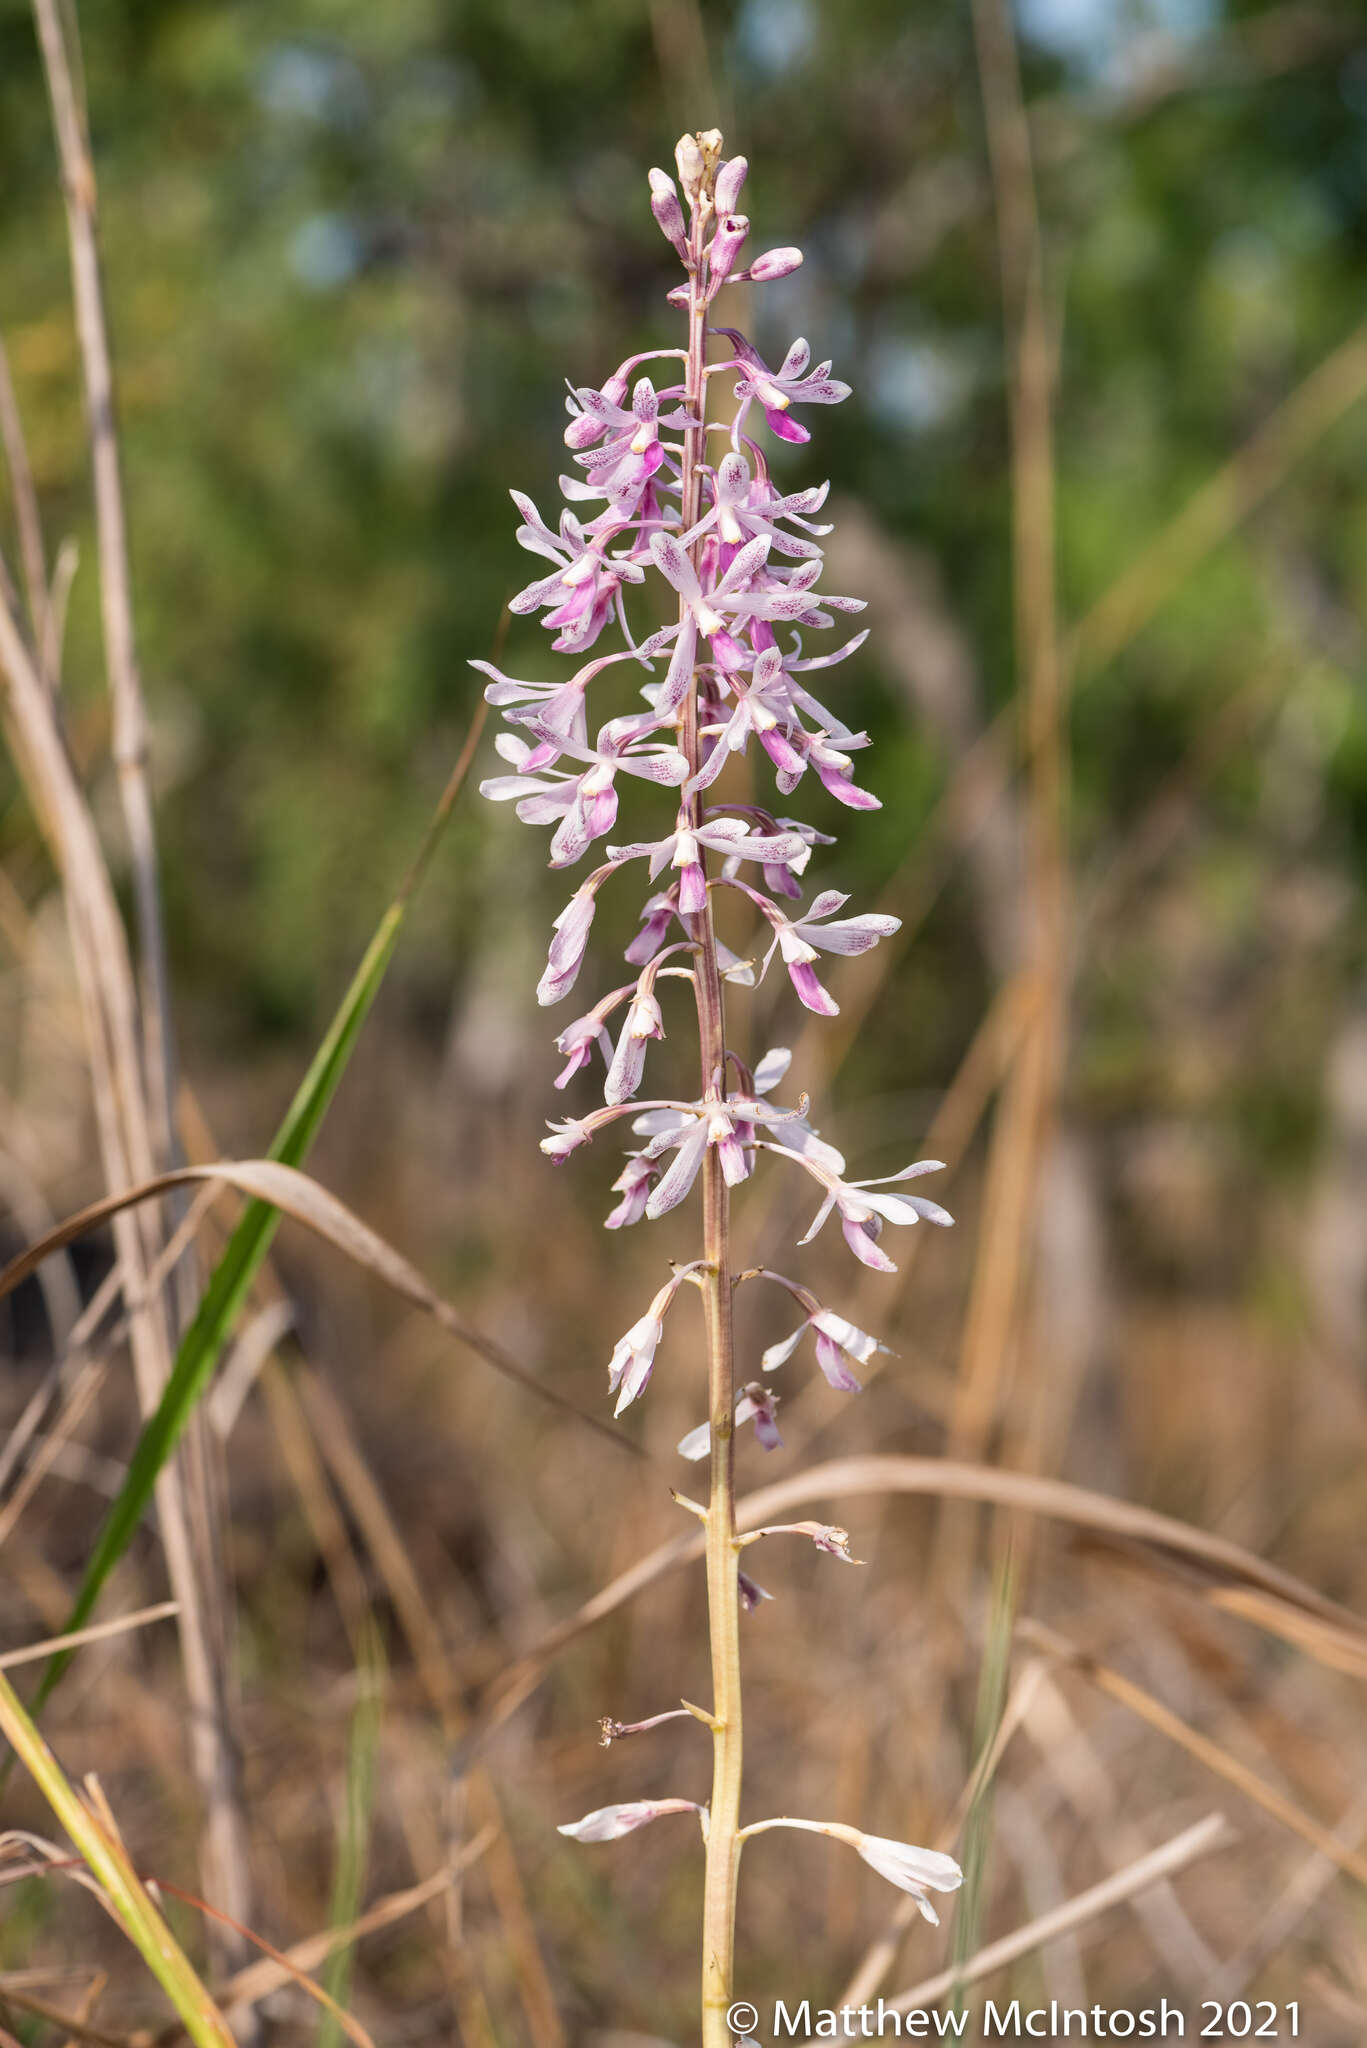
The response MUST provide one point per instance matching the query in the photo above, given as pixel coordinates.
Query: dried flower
(634, 1356)
(755, 1403)
(751, 1594)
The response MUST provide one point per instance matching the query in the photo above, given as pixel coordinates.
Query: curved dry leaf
(302, 1198)
(944, 1477)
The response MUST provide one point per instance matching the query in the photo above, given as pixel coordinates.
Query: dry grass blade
(105, 982)
(1211, 1833)
(1055, 1498)
(189, 1513)
(53, 2014)
(99, 1632)
(346, 2022)
(845, 1478)
(26, 517)
(1216, 1759)
(295, 1194)
(85, 1388)
(1327, 1645)
(882, 1953)
(258, 1980)
(116, 590)
(298, 1196)
(369, 1509)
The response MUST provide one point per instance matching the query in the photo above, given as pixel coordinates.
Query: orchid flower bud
(730, 178)
(664, 204)
(773, 263)
(692, 167)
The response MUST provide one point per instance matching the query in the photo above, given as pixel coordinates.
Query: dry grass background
(381, 1551)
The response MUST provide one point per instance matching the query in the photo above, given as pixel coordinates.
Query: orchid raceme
(666, 503)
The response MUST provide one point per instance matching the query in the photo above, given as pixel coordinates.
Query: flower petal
(608, 1823)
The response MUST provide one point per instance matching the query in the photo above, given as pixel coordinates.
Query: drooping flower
(755, 1403)
(752, 1594)
(644, 1021)
(609, 1823)
(913, 1870)
(567, 948)
(836, 1341)
(633, 1184)
(633, 1359)
(577, 1041)
(565, 1138)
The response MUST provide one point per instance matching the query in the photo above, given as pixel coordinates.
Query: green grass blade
(105, 1856)
(202, 1345)
(363, 1748)
(978, 1824)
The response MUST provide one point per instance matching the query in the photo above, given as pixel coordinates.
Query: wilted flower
(608, 1823)
(634, 1356)
(824, 1536)
(633, 1184)
(566, 955)
(751, 1593)
(755, 1403)
(912, 1870)
(644, 1021)
(565, 1138)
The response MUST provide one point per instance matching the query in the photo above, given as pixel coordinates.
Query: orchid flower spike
(663, 502)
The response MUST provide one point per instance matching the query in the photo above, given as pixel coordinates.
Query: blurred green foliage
(353, 251)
